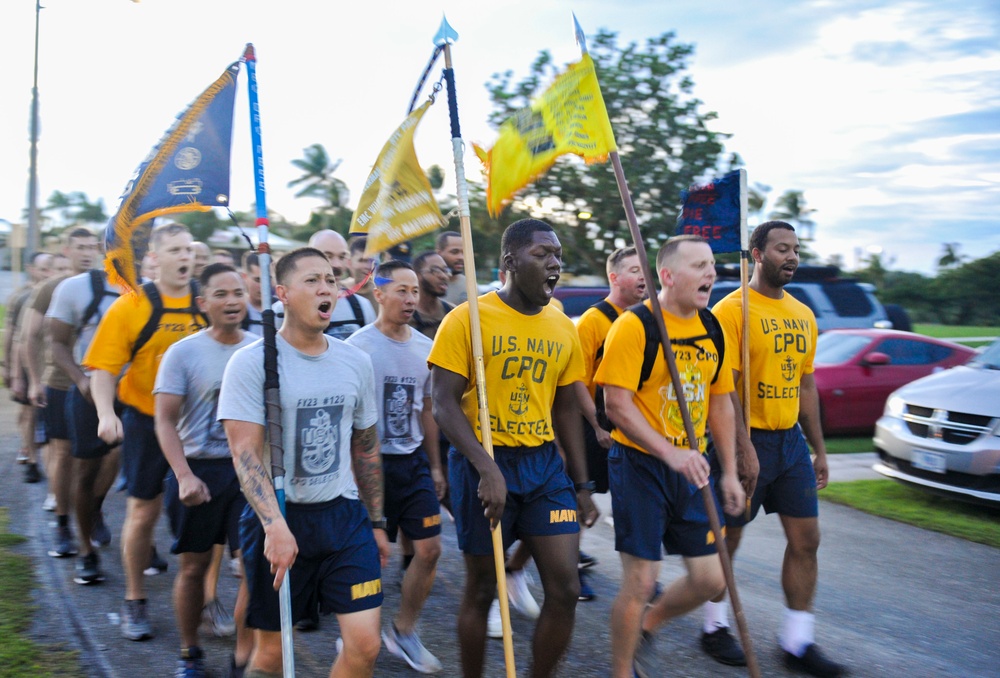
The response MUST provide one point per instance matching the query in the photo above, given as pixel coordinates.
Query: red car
(856, 370)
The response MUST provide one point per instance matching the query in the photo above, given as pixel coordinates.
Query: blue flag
(188, 170)
(713, 212)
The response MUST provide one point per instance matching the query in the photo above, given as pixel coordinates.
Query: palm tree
(950, 256)
(791, 206)
(317, 180)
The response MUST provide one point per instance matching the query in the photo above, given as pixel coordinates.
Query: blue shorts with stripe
(787, 482)
(56, 414)
(337, 567)
(143, 463)
(81, 415)
(656, 506)
(540, 497)
(411, 504)
(197, 528)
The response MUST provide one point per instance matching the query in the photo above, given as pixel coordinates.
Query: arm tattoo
(257, 487)
(366, 458)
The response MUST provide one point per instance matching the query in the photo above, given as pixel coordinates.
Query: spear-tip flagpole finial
(248, 53)
(446, 34)
(581, 39)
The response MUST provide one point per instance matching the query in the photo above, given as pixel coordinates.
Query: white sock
(716, 616)
(797, 631)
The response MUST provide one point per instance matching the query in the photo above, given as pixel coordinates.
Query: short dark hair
(250, 258)
(165, 231)
(615, 258)
(358, 244)
(442, 239)
(758, 238)
(384, 271)
(213, 270)
(518, 235)
(421, 259)
(672, 244)
(288, 263)
(79, 232)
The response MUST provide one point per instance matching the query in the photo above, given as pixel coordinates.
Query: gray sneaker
(643, 663)
(217, 619)
(135, 624)
(64, 545)
(411, 650)
(100, 536)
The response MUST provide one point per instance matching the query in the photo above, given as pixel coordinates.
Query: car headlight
(894, 406)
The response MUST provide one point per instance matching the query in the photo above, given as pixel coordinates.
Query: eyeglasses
(437, 270)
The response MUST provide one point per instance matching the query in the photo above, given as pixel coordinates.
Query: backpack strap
(97, 294)
(708, 320)
(156, 301)
(605, 307)
(359, 316)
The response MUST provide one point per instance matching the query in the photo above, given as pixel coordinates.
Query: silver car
(942, 432)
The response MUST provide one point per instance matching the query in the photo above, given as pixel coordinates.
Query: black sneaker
(65, 545)
(586, 560)
(31, 473)
(88, 570)
(814, 663)
(723, 648)
(191, 663)
(586, 592)
(157, 565)
(307, 624)
(100, 536)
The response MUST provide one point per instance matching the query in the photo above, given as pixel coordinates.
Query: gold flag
(396, 204)
(569, 117)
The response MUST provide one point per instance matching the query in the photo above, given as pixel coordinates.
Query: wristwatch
(590, 486)
(380, 524)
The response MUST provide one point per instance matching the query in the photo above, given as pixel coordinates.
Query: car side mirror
(876, 358)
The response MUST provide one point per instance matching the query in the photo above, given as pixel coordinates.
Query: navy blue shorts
(41, 434)
(597, 459)
(197, 528)
(55, 414)
(143, 462)
(654, 505)
(541, 501)
(337, 567)
(411, 505)
(787, 482)
(81, 415)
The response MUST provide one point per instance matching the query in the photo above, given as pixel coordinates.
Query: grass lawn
(19, 655)
(847, 445)
(889, 499)
(955, 332)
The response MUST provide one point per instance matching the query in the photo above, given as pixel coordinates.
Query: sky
(885, 114)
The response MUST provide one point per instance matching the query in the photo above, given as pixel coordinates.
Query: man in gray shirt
(202, 493)
(332, 543)
(411, 461)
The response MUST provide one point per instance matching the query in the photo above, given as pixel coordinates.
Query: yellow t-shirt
(656, 400)
(782, 346)
(525, 358)
(593, 328)
(111, 348)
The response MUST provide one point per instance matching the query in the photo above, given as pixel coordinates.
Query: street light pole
(33, 232)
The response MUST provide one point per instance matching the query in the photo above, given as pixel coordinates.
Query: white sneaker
(236, 567)
(494, 625)
(411, 650)
(50, 503)
(519, 595)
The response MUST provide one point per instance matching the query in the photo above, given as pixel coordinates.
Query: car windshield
(833, 348)
(989, 358)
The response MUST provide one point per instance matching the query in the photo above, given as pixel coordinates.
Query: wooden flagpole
(445, 36)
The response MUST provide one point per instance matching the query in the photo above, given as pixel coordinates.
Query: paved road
(893, 600)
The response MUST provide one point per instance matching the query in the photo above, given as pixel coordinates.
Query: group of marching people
(380, 425)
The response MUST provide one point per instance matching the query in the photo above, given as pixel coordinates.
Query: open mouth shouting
(326, 310)
(550, 284)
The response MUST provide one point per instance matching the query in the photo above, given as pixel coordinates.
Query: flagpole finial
(581, 39)
(446, 34)
(248, 53)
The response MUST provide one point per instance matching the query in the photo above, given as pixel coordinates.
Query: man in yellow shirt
(531, 361)
(655, 472)
(784, 404)
(123, 338)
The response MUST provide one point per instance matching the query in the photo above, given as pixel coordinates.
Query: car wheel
(899, 318)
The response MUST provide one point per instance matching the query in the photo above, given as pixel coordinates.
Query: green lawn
(843, 445)
(19, 655)
(954, 332)
(889, 499)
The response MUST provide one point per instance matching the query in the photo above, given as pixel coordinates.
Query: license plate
(929, 461)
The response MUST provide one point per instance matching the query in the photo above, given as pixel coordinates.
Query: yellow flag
(569, 117)
(396, 204)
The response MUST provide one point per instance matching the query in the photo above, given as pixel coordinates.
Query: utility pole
(33, 230)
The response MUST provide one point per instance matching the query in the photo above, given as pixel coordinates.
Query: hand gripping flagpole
(272, 401)
(668, 353)
(445, 36)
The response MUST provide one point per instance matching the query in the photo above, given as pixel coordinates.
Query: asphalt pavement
(892, 599)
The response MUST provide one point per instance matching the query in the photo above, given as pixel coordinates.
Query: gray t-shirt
(324, 398)
(402, 381)
(71, 300)
(343, 320)
(193, 368)
(255, 321)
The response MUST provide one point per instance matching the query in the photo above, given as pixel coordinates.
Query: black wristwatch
(590, 486)
(380, 524)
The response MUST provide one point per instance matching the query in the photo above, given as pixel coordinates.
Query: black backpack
(97, 292)
(156, 301)
(713, 331)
